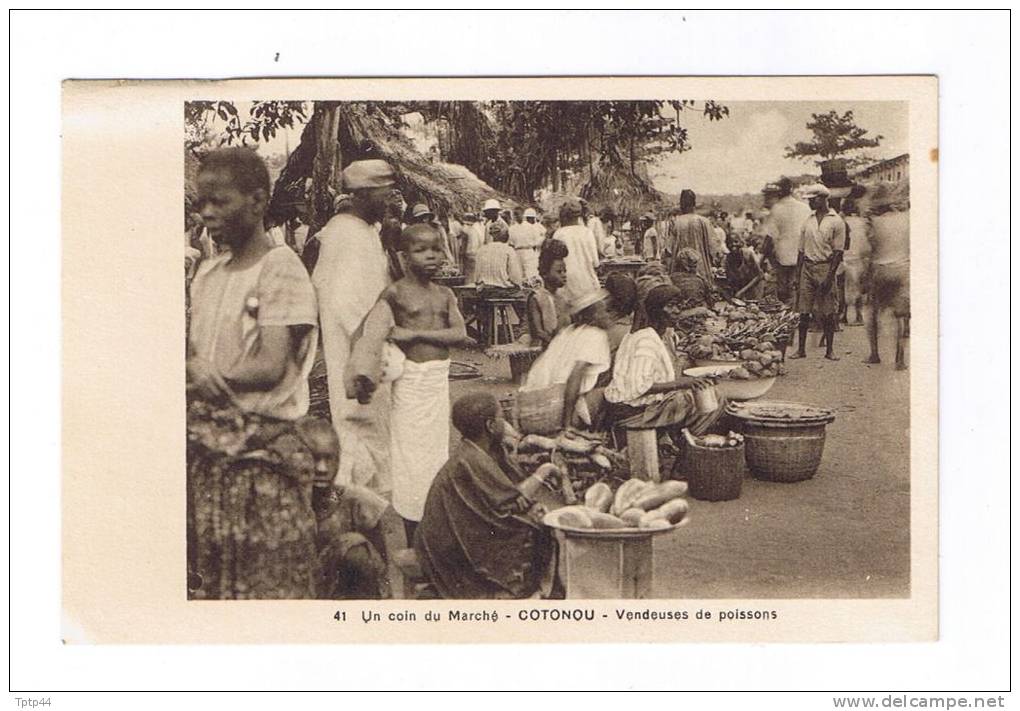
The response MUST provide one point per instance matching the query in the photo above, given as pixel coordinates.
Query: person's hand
(399, 334)
(363, 389)
(204, 379)
(685, 382)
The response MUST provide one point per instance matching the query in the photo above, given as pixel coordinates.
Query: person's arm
(266, 364)
(536, 324)
(682, 383)
(514, 268)
(453, 335)
(838, 240)
(572, 391)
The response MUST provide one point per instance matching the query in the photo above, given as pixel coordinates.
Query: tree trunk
(326, 165)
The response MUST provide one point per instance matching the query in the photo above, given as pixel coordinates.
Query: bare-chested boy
(427, 322)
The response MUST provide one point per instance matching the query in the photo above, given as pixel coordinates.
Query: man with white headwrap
(351, 272)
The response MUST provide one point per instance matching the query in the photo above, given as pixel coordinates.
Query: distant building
(886, 171)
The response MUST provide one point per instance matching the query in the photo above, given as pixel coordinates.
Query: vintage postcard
(501, 360)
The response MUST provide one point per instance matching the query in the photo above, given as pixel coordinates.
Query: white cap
(530, 212)
(815, 190)
(490, 204)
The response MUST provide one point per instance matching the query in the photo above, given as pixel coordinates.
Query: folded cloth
(419, 433)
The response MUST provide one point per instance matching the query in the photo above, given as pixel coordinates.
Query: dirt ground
(842, 534)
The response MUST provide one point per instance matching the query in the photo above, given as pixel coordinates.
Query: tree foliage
(264, 120)
(834, 135)
(519, 146)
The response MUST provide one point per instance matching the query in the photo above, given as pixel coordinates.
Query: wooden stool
(495, 315)
(643, 453)
(605, 569)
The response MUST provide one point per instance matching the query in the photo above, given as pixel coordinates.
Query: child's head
(498, 232)
(734, 242)
(552, 266)
(321, 439)
(233, 192)
(423, 253)
(477, 415)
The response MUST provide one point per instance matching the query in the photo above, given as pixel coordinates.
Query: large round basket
(713, 473)
(786, 448)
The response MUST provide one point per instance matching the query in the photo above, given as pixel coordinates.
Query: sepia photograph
(584, 351)
(554, 349)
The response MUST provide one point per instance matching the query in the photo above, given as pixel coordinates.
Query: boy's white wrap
(419, 433)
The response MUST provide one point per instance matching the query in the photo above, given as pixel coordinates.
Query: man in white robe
(351, 272)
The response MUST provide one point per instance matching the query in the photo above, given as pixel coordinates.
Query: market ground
(842, 534)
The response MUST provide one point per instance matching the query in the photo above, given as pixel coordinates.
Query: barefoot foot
(798, 354)
(831, 356)
(872, 359)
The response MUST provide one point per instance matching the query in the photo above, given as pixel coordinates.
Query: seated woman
(480, 536)
(575, 358)
(544, 309)
(645, 392)
(691, 284)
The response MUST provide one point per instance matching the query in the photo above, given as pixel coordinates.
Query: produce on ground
(739, 334)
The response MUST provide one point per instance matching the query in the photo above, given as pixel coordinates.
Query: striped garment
(641, 361)
(497, 264)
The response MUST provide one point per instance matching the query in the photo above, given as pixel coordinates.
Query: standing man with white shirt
(352, 270)
(582, 258)
(822, 241)
(786, 218)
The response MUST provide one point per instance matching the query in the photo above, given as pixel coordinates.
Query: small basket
(540, 411)
(713, 473)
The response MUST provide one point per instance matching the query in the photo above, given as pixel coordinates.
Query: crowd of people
(285, 505)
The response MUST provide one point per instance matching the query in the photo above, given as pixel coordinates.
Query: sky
(744, 151)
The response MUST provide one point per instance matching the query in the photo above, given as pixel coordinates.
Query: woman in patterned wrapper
(251, 528)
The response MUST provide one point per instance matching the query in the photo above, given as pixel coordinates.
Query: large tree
(519, 146)
(835, 136)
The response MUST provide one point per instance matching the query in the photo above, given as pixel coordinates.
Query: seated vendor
(686, 278)
(575, 358)
(645, 392)
(349, 541)
(743, 273)
(480, 536)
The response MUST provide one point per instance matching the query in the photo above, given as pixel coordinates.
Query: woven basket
(540, 411)
(520, 364)
(713, 473)
(783, 453)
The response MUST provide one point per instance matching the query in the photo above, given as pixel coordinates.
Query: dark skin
(428, 321)
(325, 448)
(674, 313)
(554, 280)
(820, 205)
(234, 219)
